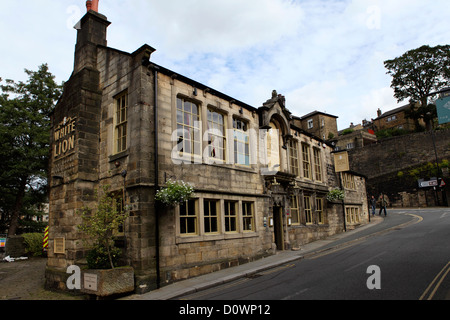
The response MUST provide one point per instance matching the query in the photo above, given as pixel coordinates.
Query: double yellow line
(435, 284)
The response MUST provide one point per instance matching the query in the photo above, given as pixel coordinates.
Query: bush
(98, 258)
(33, 244)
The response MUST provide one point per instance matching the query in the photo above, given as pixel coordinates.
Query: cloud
(321, 54)
(221, 27)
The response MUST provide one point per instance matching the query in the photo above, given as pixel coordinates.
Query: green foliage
(335, 195)
(388, 133)
(426, 170)
(25, 109)
(175, 193)
(419, 72)
(33, 244)
(101, 222)
(347, 131)
(98, 258)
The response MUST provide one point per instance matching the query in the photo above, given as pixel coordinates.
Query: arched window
(273, 147)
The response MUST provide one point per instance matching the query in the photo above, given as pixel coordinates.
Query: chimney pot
(95, 5)
(92, 5)
(88, 5)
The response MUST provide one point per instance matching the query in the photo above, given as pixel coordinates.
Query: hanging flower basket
(175, 193)
(335, 195)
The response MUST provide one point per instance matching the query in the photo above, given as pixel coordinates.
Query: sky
(324, 55)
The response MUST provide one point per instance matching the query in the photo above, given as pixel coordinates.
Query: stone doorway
(278, 227)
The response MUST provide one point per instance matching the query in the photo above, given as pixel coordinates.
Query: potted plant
(175, 193)
(103, 277)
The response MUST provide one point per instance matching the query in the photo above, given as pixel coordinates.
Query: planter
(109, 282)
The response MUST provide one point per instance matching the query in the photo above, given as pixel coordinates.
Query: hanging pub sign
(64, 137)
(341, 162)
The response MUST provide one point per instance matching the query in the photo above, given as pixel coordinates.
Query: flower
(175, 193)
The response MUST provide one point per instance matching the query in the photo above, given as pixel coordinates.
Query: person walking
(383, 204)
(373, 204)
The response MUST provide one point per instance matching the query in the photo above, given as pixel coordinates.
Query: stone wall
(399, 153)
(390, 164)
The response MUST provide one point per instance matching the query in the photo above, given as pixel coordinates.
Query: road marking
(321, 253)
(441, 276)
(365, 261)
(295, 294)
(420, 219)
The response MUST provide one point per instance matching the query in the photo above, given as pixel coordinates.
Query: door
(278, 227)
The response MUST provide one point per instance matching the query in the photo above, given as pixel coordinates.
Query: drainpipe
(343, 201)
(156, 204)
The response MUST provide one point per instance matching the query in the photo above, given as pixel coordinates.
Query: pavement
(207, 281)
(25, 279)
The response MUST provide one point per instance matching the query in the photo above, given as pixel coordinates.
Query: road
(406, 257)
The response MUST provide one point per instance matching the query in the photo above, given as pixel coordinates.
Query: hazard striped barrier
(45, 241)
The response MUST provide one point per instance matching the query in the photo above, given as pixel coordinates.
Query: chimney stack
(92, 5)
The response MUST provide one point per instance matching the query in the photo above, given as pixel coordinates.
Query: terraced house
(260, 182)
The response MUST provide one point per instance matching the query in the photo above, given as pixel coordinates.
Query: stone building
(260, 181)
(353, 137)
(395, 119)
(320, 124)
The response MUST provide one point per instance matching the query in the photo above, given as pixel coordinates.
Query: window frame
(352, 215)
(294, 166)
(211, 220)
(237, 142)
(211, 124)
(295, 210)
(248, 217)
(194, 132)
(308, 210)
(306, 161)
(318, 174)
(187, 216)
(228, 217)
(319, 211)
(349, 181)
(121, 122)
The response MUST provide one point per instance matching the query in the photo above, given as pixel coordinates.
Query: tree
(25, 109)
(100, 223)
(418, 73)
